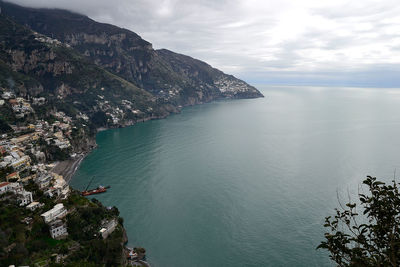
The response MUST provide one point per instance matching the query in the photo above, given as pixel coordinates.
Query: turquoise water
(245, 182)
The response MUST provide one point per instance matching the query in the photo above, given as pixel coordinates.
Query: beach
(67, 168)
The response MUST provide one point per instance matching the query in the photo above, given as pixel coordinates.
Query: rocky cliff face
(206, 80)
(105, 74)
(33, 65)
(171, 77)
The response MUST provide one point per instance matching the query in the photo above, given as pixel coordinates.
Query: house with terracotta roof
(13, 176)
(4, 187)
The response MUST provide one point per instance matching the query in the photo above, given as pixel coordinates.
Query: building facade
(57, 212)
(58, 229)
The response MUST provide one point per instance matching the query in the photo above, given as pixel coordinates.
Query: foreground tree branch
(371, 238)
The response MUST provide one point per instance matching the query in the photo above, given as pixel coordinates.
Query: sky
(308, 42)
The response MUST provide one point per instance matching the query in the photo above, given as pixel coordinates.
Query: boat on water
(98, 190)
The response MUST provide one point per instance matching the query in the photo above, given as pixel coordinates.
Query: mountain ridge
(126, 54)
(101, 72)
(32, 65)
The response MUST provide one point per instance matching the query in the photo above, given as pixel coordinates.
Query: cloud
(250, 38)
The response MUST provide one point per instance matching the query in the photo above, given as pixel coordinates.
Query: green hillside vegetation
(27, 244)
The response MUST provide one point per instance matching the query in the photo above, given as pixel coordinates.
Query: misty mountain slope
(174, 78)
(33, 65)
(204, 75)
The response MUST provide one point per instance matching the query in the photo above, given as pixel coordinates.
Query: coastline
(67, 168)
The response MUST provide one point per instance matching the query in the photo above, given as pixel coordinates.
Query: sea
(246, 182)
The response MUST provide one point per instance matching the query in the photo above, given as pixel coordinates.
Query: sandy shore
(67, 168)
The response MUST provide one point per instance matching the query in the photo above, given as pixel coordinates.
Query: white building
(44, 181)
(16, 188)
(24, 198)
(34, 205)
(58, 229)
(8, 159)
(53, 191)
(7, 95)
(21, 162)
(39, 101)
(60, 184)
(57, 212)
(108, 228)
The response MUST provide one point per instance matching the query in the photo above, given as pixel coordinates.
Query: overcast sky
(333, 42)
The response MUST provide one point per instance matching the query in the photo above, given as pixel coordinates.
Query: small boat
(98, 190)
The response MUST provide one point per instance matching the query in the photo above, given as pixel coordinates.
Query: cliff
(172, 78)
(63, 76)
(33, 65)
